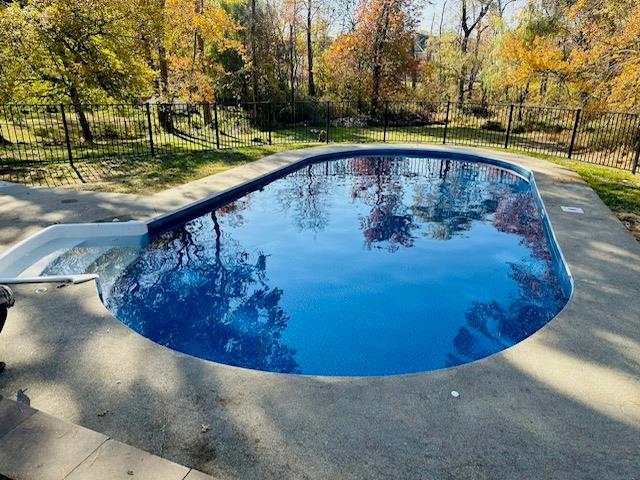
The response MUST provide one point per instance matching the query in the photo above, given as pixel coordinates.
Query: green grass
(618, 189)
(154, 174)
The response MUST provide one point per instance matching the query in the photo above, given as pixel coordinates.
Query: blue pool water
(354, 266)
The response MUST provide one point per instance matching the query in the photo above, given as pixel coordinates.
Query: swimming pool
(351, 266)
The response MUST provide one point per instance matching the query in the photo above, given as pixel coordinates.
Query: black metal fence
(36, 134)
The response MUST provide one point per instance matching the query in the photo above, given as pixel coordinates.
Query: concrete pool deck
(564, 403)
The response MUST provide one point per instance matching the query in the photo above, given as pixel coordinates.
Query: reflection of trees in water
(492, 326)
(448, 196)
(518, 214)
(377, 183)
(233, 212)
(452, 201)
(306, 193)
(198, 291)
(454, 197)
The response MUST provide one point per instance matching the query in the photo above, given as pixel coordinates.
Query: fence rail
(37, 134)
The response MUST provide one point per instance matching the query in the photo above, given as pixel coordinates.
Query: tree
(262, 53)
(605, 52)
(583, 53)
(76, 50)
(194, 31)
(373, 60)
(532, 57)
(10, 81)
(468, 24)
(492, 326)
(254, 58)
(311, 84)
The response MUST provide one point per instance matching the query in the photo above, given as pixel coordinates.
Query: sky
(435, 8)
(451, 13)
(430, 17)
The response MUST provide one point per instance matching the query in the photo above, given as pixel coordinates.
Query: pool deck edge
(34, 445)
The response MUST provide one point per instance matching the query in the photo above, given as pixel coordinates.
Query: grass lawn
(618, 189)
(153, 174)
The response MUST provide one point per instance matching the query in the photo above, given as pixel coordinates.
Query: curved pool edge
(286, 162)
(296, 159)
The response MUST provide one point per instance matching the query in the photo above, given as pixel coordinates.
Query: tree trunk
(164, 107)
(82, 118)
(206, 113)
(254, 62)
(292, 55)
(378, 48)
(543, 88)
(164, 102)
(464, 44)
(464, 47)
(312, 86)
(165, 117)
(3, 141)
(414, 68)
(164, 74)
(521, 100)
(163, 66)
(254, 56)
(198, 42)
(476, 66)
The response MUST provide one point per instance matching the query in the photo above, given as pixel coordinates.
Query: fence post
(150, 128)
(269, 120)
(215, 121)
(574, 132)
(634, 166)
(66, 134)
(506, 138)
(327, 122)
(385, 120)
(446, 123)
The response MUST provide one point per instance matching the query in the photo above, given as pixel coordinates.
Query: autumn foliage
(579, 53)
(374, 60)
(584, 54)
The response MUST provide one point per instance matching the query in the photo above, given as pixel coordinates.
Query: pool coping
(540, 378)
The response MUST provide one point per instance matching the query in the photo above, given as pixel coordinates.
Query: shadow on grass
(137, 175)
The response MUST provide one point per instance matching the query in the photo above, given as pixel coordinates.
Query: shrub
(409, 118)
(529, 126)
(43, 132)
(358, 122)
(109, 132)
(493, 125)
(549, 127)
(479, 111)
(129, 131)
